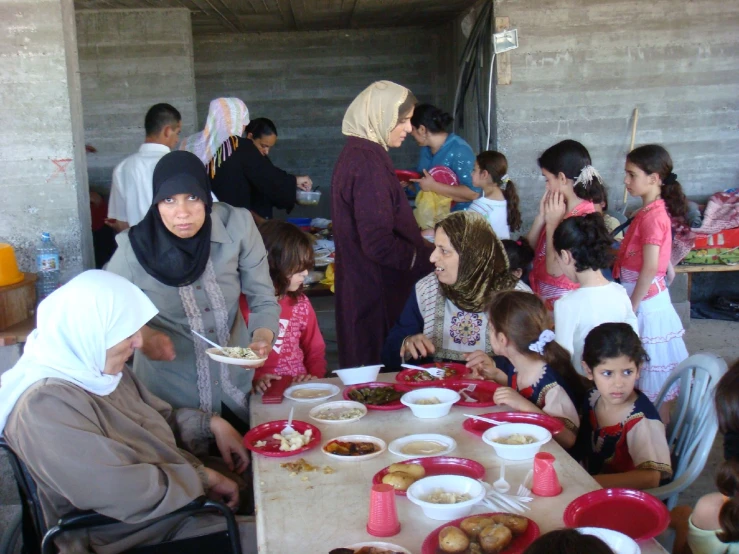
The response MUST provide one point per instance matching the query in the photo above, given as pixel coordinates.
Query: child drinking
(537, 372)
(643, 260)
(520, 256)
(299, 350)
(622, 439)
(583, 248)
(568, 172)
(499, 200)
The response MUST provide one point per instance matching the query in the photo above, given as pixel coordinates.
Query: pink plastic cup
(546, 482)
(383, 517)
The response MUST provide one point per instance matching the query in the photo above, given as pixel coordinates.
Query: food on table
(375, 396)
(417, 471)
(516, 438)
(400, 481)
(420, 376)
(517, 524)
(260, 444)
(345, 448)
(340, 414)
(424, 448)
(298, 467)
(294, 441)
(428, 401)
(240, 352)
(310, 393)
(495, 538)
(474, 524)
(453, 540)
(440, 496)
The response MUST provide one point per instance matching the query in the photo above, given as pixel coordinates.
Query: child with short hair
(299, 350)
(568, 541)
(643, 261)
(537, 372)
(499, 200)
(622, 439)
(520, 256)
(583, 248)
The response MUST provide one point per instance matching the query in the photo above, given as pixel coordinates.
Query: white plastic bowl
(358, 375)
(448, 483)
(516, 451)
(305, 198)
(618, 542)
(427, 411)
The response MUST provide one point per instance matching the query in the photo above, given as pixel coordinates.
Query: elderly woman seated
(93, 438)
(444, 319)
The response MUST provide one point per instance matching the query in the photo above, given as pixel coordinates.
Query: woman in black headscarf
(193, 258)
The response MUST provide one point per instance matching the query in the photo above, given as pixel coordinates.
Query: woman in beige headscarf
(379, 249)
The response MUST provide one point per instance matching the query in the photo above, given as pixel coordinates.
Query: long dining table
(315, 512)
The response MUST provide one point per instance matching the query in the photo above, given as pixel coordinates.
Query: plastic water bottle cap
(45, 236)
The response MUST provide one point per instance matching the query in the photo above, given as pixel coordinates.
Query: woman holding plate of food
(444, 317)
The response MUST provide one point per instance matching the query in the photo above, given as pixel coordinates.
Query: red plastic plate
(635, 513)
(477, 427)
(483, 393)
(407, 376)
(439, 465)
(517, 546)
(406, 175)
(386, 407)
(265, 431)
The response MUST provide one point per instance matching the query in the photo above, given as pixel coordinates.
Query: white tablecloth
(312, 513)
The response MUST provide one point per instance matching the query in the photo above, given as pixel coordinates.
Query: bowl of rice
(516, 441)
(446, 497)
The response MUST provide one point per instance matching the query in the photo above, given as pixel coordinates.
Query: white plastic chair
(692, 428)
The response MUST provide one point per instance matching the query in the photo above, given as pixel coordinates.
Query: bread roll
(400, 481)
(495, 538)
(473, 525)
(416, 470)
(453, 540)
(517, 524)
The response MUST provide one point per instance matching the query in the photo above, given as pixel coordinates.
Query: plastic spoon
(486, 420)
(209, 342)
(288, 429)
(501, 485)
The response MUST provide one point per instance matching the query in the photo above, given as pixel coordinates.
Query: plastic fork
(523, 489)
(467, 397)
(288, 429)
(494, 422)
(209, 342)
(433, 371)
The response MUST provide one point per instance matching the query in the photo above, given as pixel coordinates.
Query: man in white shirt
(131, 191)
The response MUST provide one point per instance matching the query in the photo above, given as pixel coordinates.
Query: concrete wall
(129, 61)
(43, 184)
(584, 65)
(305, 81)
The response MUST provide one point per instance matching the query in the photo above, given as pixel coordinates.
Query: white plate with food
(354, 448)
(341, 411)
(423, 445)
(372, 548)
(311, 392)
(237, 355)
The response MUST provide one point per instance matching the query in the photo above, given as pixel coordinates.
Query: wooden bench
(704, 268)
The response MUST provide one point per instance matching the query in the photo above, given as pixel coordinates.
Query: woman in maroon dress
(380, 253)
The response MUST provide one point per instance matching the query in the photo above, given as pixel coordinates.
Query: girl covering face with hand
(622, 439)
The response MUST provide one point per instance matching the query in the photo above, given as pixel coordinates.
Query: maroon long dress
(380, 252)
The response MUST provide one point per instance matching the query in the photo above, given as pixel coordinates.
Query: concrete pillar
(43, 183)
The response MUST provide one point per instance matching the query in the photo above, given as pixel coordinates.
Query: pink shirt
(299, 348)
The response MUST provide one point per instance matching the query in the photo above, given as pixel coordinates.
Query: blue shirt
(457, 155)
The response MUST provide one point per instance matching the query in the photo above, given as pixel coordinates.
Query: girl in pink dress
(642, 264)
(568, 172)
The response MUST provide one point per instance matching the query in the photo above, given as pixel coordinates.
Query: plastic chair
(38, 540)
(693, 426)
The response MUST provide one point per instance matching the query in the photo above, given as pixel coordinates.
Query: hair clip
(546, 336)
(587, 174)
(670, 179)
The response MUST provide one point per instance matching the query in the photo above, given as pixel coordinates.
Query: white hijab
(76, 325)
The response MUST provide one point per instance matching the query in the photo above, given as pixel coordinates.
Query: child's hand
(263, 382)
(510, 397)
(482, 366)
(417, 346)
(542, 203)
(303, 378)
(555, 209)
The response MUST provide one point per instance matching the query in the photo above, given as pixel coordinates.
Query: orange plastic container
(9, 274)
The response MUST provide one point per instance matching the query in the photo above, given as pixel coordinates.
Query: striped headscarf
(226, 120)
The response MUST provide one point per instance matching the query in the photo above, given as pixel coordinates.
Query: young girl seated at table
(537, 372)
(520, 255)
(299, 351)
(499, 200)
(583, 248)
(622, 439)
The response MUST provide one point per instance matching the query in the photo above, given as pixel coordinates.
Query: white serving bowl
(427, 411)
(379, 443)
(516, 451)
(618, 542)
(458, 484)
(358, 375)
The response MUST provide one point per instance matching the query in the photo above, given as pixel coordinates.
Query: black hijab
(172, 260)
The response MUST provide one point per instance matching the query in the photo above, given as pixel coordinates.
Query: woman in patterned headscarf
(379, 249)
(444, 318)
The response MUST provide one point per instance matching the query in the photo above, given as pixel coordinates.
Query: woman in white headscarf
(380, 253)
(93, 438)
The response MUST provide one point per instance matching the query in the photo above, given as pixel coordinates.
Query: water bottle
(47, 267)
